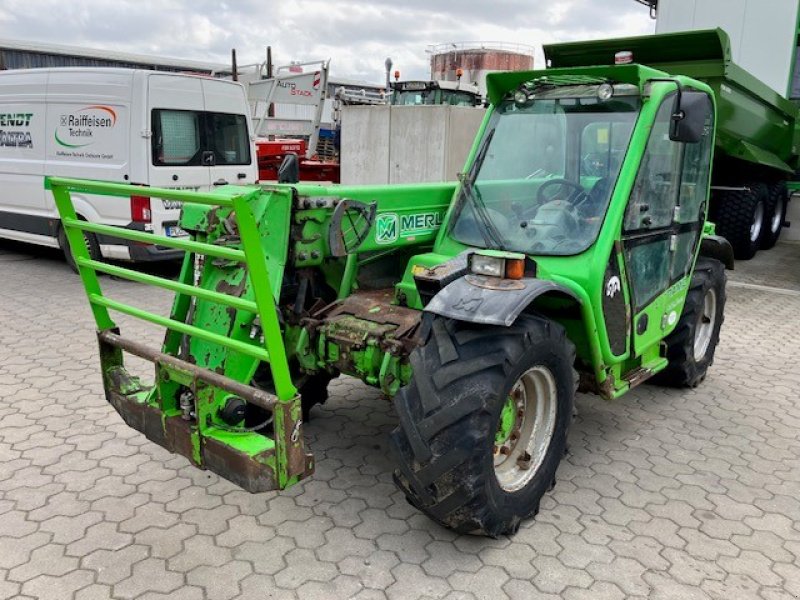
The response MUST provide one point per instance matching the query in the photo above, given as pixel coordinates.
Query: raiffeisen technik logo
(81, 127)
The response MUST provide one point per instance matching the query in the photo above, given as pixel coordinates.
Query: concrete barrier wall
(364, 153)
(406, 144)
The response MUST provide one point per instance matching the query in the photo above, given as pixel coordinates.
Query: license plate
(175, 231)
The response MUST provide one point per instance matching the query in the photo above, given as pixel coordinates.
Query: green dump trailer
(756, 143)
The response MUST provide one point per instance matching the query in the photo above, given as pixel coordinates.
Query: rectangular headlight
(493, 266)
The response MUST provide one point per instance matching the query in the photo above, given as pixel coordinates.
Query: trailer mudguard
(489, 300)
(716, 246)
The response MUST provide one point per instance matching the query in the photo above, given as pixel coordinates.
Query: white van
(142, 127)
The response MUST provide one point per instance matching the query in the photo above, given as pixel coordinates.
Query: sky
(356, 36)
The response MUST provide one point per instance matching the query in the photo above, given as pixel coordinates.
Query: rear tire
(473, 387)
(92, 246)
(740, 216)
(691, 345)
(776, 214)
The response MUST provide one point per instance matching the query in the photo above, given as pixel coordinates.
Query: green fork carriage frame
(253, 461)
(236, 325)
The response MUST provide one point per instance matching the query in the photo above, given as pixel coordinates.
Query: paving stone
(148, 575)
(220, 582)
(372, 571)
(62, 587)
(302, 565)
(664, 494)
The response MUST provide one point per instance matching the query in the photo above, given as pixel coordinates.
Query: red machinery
(270, 154)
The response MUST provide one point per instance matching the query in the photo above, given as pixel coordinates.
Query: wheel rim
(758, 222)
(777, 216)
(705, 325)
(526, 427)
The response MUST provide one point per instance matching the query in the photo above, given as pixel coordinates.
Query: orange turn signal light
(515, 268)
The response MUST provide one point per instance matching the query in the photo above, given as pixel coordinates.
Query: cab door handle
(220, 181)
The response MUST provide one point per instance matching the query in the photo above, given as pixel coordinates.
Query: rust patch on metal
(297, 460)
(249, 394)
(179, 437)
(223, 287)
(251, 473)
(376, 306)
(123, 382)
(139, 416)
(638, 376)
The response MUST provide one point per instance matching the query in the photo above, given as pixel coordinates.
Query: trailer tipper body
(756, 143)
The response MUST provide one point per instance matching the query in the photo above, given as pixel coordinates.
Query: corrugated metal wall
(20, 59)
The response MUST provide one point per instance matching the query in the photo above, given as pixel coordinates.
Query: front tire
(693, 342)
(313, 390)
(92, 246)
(483, 422)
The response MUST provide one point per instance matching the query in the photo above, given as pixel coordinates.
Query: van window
(183, 137)
(177, 137)
(229, 138)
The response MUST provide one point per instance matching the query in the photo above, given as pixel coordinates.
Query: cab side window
(653, 198)
(692, 198)
(666, 208)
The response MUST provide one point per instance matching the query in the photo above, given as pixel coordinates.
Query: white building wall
(762, 32)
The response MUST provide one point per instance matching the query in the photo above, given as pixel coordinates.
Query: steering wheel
(576, 197)
(594, 164)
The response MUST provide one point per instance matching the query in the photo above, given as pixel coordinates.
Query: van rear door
(228, 132)
(177, 158)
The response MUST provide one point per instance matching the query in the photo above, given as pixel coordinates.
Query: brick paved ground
(666, 494)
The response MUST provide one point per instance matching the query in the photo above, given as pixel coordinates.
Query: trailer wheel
(740, 216)
(776, 214)
(691, 345)
(92, 246)
(483, 422)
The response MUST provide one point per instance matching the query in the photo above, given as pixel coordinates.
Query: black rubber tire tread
(734, 214)
(683, 369)
(313, 390)
(91, 244)
(448, 417)
(776, 191)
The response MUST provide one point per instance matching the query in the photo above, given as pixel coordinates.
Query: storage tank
(477, 59)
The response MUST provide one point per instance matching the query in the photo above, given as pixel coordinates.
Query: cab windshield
(433, 96)
(545, 170)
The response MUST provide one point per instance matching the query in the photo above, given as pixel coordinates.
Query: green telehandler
(573, 253)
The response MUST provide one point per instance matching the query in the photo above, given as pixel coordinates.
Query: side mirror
(289, 171)
(689, 115)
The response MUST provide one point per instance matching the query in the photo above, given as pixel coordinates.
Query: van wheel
(776, 214)
(92, 246)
